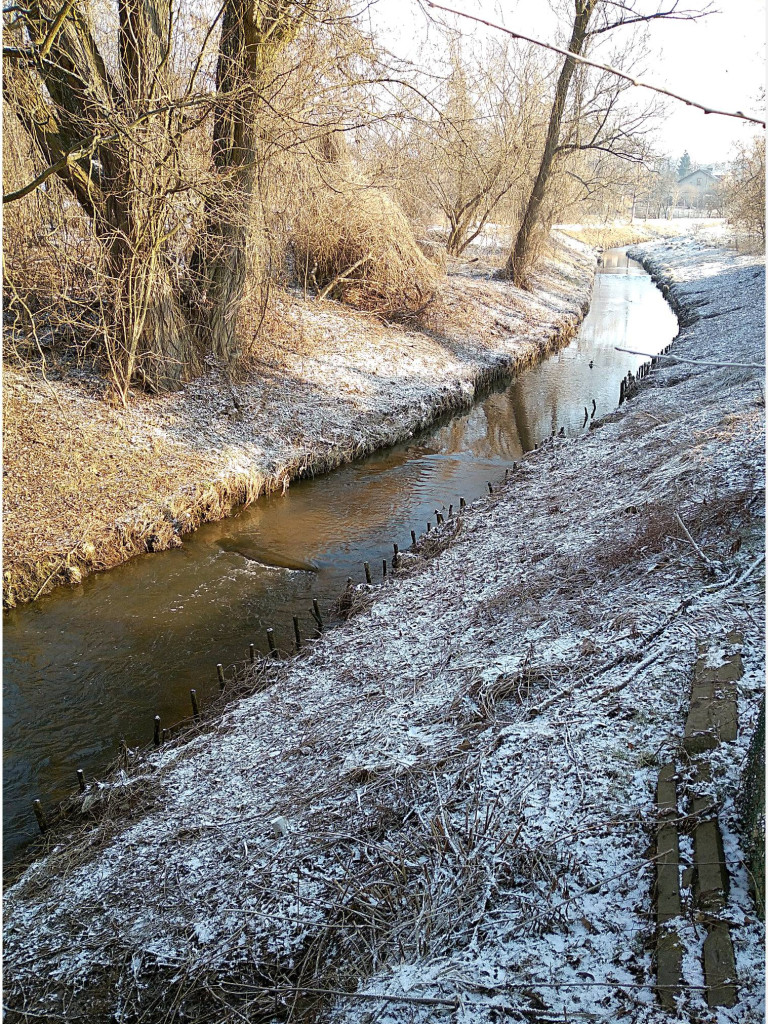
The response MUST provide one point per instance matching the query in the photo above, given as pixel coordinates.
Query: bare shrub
(744, 188)
(354, 244)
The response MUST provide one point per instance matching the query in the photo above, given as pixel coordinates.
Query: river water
(91, 665)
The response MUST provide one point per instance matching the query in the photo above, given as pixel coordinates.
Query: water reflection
(88, 666)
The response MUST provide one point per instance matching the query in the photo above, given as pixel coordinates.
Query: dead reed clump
(352, 601)
(432, 544)
(354, 244)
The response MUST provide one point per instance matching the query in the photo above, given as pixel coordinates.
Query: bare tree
(479, 146)
(744, 187)
(592, 20)
(116, 122)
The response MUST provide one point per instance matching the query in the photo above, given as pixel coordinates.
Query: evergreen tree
(684, 167)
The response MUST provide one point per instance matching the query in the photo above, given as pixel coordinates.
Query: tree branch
(601, 67)
(89, 145)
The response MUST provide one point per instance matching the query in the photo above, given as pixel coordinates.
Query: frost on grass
(465, 770)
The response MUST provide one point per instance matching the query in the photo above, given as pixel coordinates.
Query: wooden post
(81, 779)
(195, 705)
(490, 487)
(413, 537)
(394, 557)
(367, 572)
(450, 511)
(271, 642)
(440, 519)
(157, 730)
(296, 632)
(462, 503)
(220, 674)
(42, 824)
(429, 526)
(317, 615)
(383, 568)
(252, 652)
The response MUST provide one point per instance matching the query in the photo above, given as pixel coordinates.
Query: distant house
(698, 190)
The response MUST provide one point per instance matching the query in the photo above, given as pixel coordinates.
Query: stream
(91, 665)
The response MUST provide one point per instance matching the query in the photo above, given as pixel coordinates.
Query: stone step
(710, 873)
(669, 949)
(713, 714)
(720, 966)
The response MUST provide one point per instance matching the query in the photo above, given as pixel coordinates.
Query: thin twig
(61, 563)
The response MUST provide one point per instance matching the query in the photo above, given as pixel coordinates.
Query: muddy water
(88, 666)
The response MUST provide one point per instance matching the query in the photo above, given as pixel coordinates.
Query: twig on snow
(707, 561)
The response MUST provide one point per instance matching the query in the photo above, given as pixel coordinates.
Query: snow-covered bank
(87, 486)
(447, 805)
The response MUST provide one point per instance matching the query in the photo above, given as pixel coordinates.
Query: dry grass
(610, 237)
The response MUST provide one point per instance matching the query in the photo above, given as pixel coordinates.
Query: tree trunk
(120, 172)
(519, 261)
(115, 145)
(253, 34)
(455, 244)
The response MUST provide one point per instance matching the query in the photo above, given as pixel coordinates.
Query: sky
(718, 60)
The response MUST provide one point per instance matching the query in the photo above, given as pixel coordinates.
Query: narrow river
(89, 666)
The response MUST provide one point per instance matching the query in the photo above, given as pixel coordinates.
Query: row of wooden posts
(161, 735)
(642, 371)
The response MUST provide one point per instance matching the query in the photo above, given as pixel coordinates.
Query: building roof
(687, 178)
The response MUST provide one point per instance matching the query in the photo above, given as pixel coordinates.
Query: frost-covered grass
(445, 809)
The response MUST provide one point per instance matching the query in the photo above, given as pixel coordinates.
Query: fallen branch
(343, 276)
(707, 561)
(694, 362)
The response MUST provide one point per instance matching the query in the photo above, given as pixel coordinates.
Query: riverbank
(449, 802)
(87, 485)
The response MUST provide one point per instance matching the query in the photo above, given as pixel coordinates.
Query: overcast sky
(718, 61)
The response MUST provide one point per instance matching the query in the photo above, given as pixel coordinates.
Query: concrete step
(720, 966)
(713, 714)
(669, 949)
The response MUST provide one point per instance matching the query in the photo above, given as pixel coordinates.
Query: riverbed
(87, 668)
